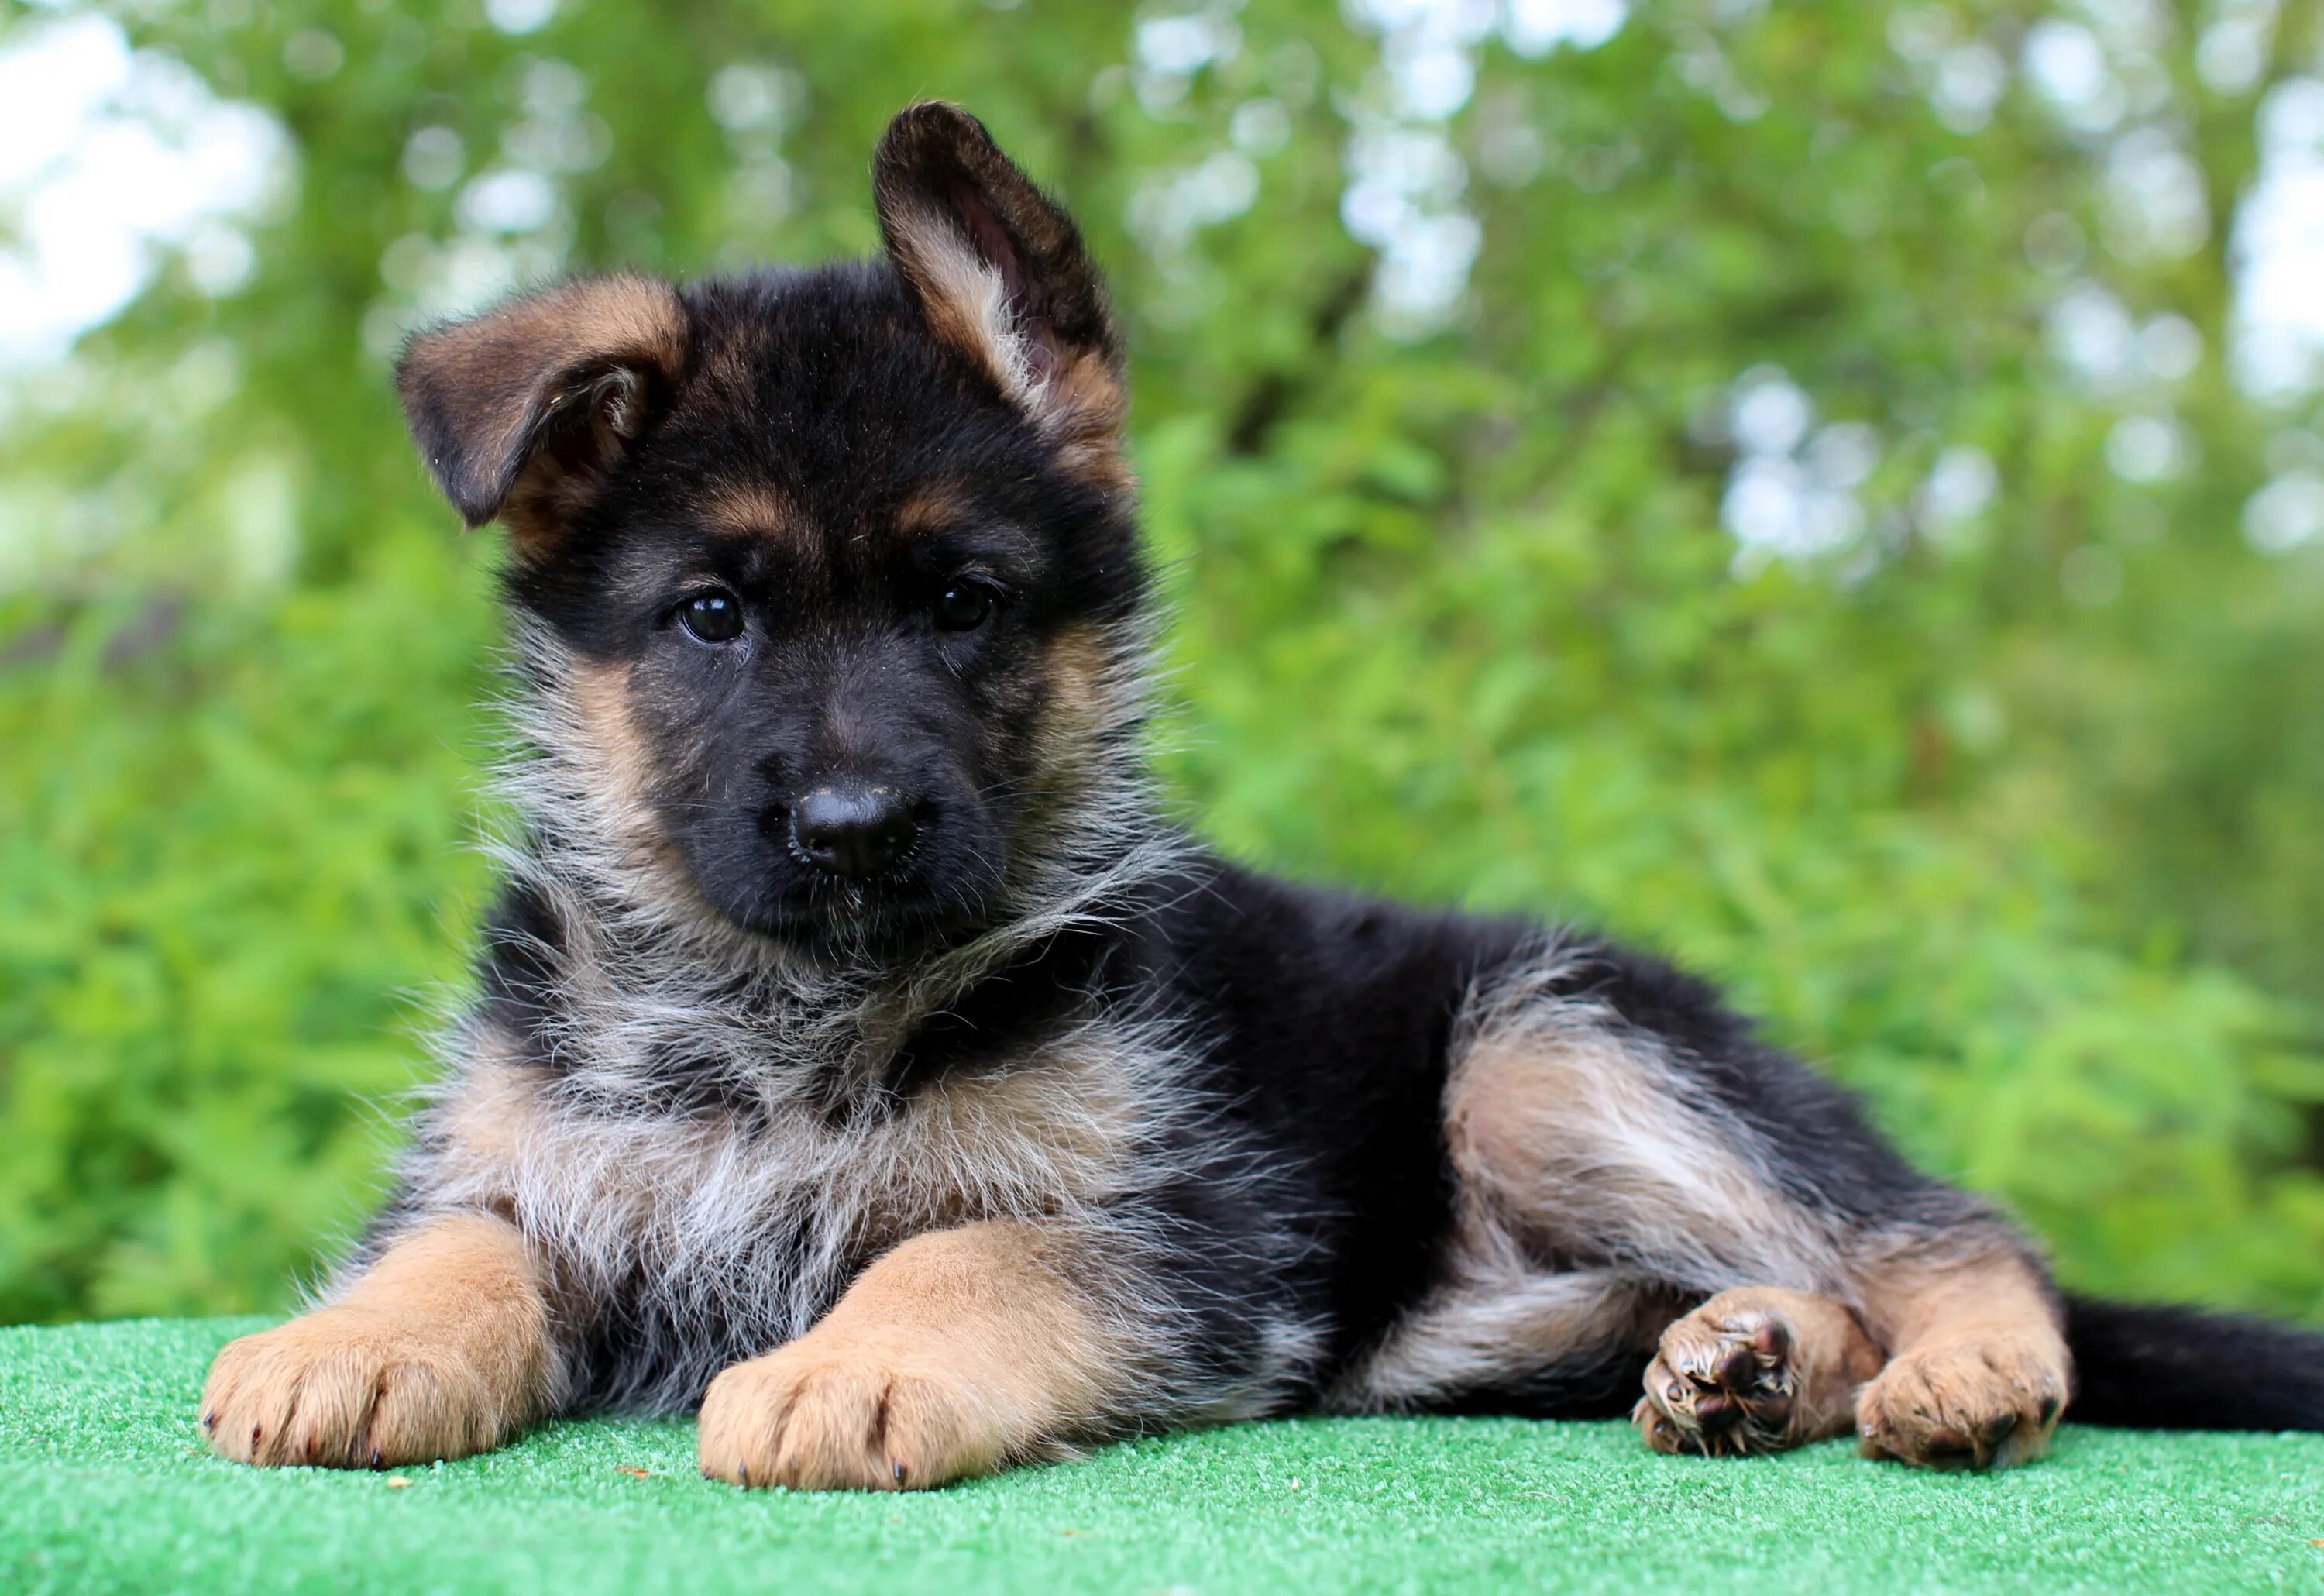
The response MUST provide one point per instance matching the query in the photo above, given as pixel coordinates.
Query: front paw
(866, 1413)
(347, 1387)
(1982, 1401)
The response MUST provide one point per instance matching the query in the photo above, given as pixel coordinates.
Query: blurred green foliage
(1995, 788)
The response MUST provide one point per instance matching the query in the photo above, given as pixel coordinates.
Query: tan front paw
(1980, 1401)
(860, 1414)
(347, 1387)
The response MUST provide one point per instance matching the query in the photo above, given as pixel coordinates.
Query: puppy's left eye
(964, 607)
(713, 617)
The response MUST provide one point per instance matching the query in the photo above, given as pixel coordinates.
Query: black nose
(852, 829)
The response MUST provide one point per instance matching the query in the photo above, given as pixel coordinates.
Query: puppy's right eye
(713, 617)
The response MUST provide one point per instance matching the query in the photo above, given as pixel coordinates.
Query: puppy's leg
(1758, 1369)
(1981, 1370)
(955, 1353)
(1574, 1132)
(440, 1349)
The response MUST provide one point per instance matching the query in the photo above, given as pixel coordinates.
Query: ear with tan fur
(998, 270)
(519, 411)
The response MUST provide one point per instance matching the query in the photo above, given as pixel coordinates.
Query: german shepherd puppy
(859, 1053)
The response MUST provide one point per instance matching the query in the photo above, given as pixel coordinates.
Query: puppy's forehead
(760, 511)
(912, 518)
(819, 405)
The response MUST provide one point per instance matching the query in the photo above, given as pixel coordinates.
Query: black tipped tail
(2180, 1368)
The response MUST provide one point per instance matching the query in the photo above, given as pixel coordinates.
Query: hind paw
(1721, 1383)
(1977, 1402)
(1755, 1369)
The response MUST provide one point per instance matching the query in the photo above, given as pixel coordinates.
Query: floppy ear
(999, 271)
(522, 410)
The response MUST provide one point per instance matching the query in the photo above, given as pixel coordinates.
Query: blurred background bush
(1831, 489)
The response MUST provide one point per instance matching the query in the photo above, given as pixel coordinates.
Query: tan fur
(1497, 1320)
(698, 1201)
(623, 316)
(929, 509)
(584, 341)
(1050, 1136)
(1980, 1370)
(1079, 677)
(602, 693)
(1561, 1124)
(494, 1112)
(957, 1353)
(755, 510)
(1081, 401)
(602, 772)
(1087, 404)
(1071, 386)
(963, 296)
(439, 1349)
(1756, 1369)
(620, 762)
(1567, 1131)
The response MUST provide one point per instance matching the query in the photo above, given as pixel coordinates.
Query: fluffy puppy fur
(859, 1054)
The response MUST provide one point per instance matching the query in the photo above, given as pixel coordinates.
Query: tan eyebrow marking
(757, 510)
(931, 510)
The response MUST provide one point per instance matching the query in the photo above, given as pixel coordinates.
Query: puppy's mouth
(848, 903)
(897, 913)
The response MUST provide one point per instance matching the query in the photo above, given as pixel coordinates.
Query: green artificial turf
(104, 1486)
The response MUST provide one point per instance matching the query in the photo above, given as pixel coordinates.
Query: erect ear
(522, 410)
(999, 271)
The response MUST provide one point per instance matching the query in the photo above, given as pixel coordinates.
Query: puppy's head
(834, 570)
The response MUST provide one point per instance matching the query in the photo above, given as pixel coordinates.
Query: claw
(898, 1465)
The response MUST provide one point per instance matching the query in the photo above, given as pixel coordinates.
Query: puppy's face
(840, 561)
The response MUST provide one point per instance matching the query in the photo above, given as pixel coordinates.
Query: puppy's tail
(2158, 1368)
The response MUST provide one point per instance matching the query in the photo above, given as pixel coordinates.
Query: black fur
(2163, 1368)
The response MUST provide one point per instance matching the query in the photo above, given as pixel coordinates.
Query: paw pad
(1719, 1385)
